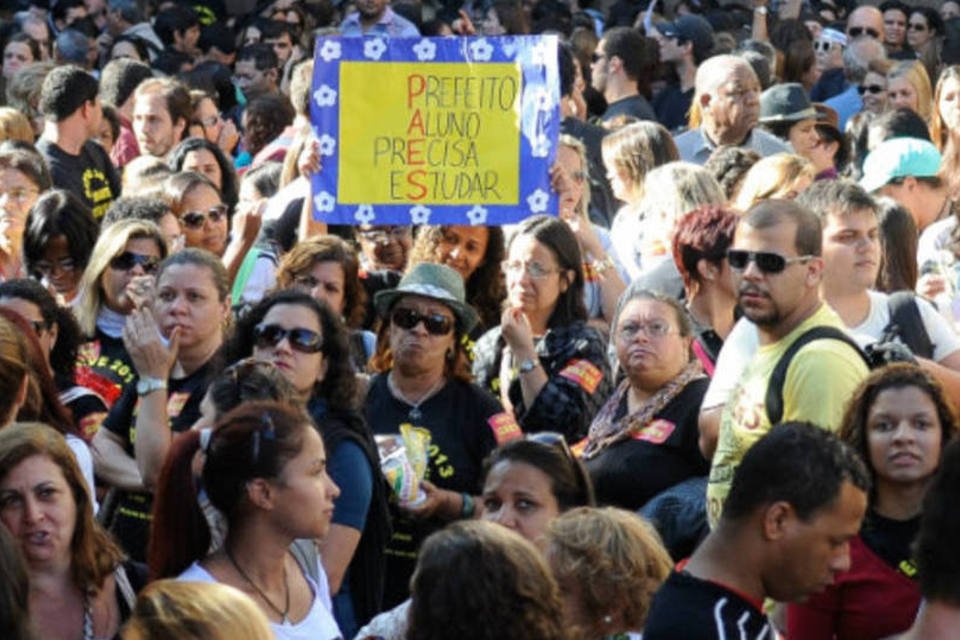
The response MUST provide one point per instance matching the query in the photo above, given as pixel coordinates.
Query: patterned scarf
(605, 431)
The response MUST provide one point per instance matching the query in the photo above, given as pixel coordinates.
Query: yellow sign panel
(429, 133)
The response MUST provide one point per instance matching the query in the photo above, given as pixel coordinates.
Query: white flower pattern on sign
(481, 50)
(538, 201)
(325, 96)
(425, 50)
(374, 48)
(538, 54)
(509, 47)
(330, 50)
(327, 145)
(420, 214)
(477, 214)
(324, 202)
(364, 214)
(540, 145)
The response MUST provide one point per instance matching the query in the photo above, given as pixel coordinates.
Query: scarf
(605, 431)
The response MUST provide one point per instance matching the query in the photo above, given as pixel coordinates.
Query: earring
(608, 619)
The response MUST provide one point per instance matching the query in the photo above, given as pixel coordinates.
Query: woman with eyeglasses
(265, 469)
(58, 241)
(548, 367)
(210, 125)
(899, 422)
(23, 176)
(308, 343)
(328, 268)
(604, 276)
(174, 345)
(644, 439)
(424, 381)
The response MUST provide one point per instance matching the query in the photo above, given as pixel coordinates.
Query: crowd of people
(710, 396)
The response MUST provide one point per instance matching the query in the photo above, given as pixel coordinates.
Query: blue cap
(899, 158)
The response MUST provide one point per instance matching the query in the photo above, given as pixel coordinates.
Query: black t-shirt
(891, 540)
(635, 106)
(689, 608)
(105, 367)
(672, 106)
(131, 521)
(462, 420)
(89, 175)
(630, 472)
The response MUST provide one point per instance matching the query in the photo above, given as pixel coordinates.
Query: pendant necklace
(415, 414)
(286, 605)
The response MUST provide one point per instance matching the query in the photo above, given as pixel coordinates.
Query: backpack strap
(773, 401)
(907, 323)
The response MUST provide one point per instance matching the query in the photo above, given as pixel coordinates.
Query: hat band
(428, 290)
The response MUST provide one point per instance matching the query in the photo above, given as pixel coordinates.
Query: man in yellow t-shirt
(776, 259)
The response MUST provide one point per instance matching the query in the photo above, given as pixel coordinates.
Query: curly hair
(617, 559)
(307, 254)
(264, 119)
(853, 429)
(480, 581)
(485, 287)
(338, 387)
(93, 553)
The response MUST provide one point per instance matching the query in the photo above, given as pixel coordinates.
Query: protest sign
(434, 130)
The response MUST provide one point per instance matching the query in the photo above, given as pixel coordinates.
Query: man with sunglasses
(618, 63)
(866, 21)
(778, 266)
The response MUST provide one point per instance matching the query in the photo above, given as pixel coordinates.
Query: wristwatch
(528, 365)
(760, 10)
(149, 385)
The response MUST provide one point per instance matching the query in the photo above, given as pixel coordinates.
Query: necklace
(87, 619)
(286, 586)
(415, 413)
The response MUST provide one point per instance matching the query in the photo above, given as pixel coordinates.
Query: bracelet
(469, 506)
(602, 266)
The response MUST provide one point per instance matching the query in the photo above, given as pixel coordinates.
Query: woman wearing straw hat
(424, 381)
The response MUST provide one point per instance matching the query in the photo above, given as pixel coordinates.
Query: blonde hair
(15, 126)
(583, 207)
(772, 177)
(195, 611)
(916, 74)
(111, 243)
(675, 188)
(617, 559)
(638, 148)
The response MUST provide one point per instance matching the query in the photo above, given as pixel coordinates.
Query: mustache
(752, 290)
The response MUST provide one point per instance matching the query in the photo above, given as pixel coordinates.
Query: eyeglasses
(20, 196)
(856, 32)
(533, 269)
(302, 340)
(47, 269)
(654, 329)
(552, 439)
(870, 88)
(128, 260)
(383, 236)
(435, 323)
(767, 262)
(196, 219)
(916, 26)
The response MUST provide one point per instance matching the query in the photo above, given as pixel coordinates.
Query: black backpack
(905, 323)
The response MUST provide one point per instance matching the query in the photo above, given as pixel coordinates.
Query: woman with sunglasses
(545, 364)
(174, 347)
(873, 88)
(925, 30)
(196, 201)
(644, 439)
(308, 343)
(265, 469)
(58, 241)
(900, 422)
(424, 381)
(24, 177)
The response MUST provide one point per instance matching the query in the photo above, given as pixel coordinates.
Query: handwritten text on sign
(434, 130)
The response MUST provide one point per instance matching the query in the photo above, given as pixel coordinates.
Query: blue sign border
(539, 124)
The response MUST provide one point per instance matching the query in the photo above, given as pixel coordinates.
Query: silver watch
(147, 385)
(528, 365)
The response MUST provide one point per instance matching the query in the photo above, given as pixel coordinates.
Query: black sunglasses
(195, 219)
(766, 261)
(128, 260)
(302, 340)
(856, 32)
(436, 323)
(869, 88)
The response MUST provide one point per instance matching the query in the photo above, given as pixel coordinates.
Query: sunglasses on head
(856, 32)
(195, 219)
(436, 323)
(302, 340)
(552, 439)
(870, 88)
(766, 261)
(128, 260)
